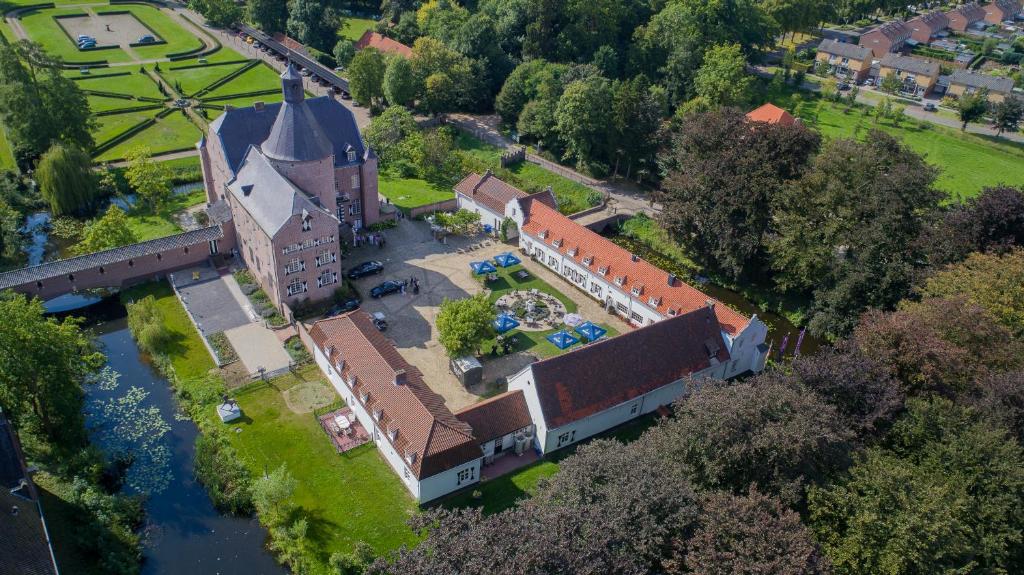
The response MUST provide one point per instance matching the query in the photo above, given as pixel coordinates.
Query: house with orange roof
(371, 39)
(488, 196)
(771, 114)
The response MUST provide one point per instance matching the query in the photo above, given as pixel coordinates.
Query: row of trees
(898, 450)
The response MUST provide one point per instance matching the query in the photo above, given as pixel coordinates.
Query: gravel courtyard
(124, 29)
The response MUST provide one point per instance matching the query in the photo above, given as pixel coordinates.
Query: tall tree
(582, 120)
(314, 23)
(66, 180)
(107, 232)
(638, 109)
(847, 230)
(10, 235)
(993, 281)
(722, 79)
(1007, 115)
(43, 365)
(722, 175)
(399, 82)
(972, 107)
(991, 221)
(267, 15)
(366, 76)
(344, 51)
(150, 179)
(463, 325)
(387, 132)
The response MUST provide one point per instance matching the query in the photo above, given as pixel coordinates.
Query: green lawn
(186, 350)
(133, 84)
(572, 196)
(244, 101)
(44, 29)
(194, 79)
(6, 154)
(167, 28)
(260, 77)
(106, 103)
(151, 226)
(969, 162)
(172, 132)
(347, 498)
(408, 193)
(109, 126)
(534, 342)
(225, 54)
(354, 28)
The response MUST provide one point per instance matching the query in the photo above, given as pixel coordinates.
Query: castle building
(296, 178)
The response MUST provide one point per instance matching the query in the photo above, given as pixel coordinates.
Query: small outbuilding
(467, 369)
(228, 411)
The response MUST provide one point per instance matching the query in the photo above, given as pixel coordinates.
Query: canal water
(183, 533)
(779, 328)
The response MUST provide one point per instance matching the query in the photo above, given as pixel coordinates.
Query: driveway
(211, 301)
(258, 347)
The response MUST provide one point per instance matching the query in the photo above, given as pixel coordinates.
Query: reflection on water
(184, 533)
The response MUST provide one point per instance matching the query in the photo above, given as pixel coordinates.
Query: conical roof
(296, 136)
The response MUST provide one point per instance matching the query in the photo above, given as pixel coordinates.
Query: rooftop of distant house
(771, 114)
(371, 39)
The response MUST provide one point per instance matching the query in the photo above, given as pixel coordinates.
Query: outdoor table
(342, 421)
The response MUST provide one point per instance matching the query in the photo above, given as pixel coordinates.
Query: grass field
(186, 349)
(107, 103)
(44, 29)
(192, 80)
(173, 132)
(347, 498)
(6, 153)
(133, 84)
(260, 77)
(408, 193)
(354, 28)
(152, 226)
(968, 162)
(109, 126)
(572, 196)
(244, 101)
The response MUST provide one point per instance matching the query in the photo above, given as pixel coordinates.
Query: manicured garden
(572, 196)
(408, 193)
(191, 79)
(258, 78)
(173, 132)
(354, 28)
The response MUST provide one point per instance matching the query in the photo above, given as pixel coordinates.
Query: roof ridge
(489, 400)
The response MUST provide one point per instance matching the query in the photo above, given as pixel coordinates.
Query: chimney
(258, 106)
(400, 377)
(710, 303)
(671, 279)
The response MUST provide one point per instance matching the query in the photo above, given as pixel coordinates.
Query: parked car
(365, 269)
(344, 307)
(387, 288)
(305, 72)
(930, 107)
(844, 87)
(146, 39)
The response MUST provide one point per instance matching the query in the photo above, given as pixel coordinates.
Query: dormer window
(543, 234)
(573, 252)
(307, 224)
(410, 458)
(619, 280)
(557, 243)
(393, 434)
(351, 155)
(377, 414)
(637, 290)
(588, 260)
(364, 397)
(653, 301)
(672, 312)
(603, 270)
(340, 365)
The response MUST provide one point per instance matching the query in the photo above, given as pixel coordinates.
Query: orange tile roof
(489, 191)
(617, 262)
(771, 114)
(425, 426)
(497, 417)
(371, 39)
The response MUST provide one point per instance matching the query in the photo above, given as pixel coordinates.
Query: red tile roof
(602, 253)
(497, 417)
(371, 39)
(425, 426)
(608, 372)
(771, 114)
(290, 43)
(489, 191)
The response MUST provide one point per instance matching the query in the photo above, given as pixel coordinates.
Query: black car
(344, 307)
(365, 269)
(387, 288)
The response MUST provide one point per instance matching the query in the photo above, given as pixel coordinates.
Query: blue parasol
(506, 260)
(482, 268)
(562, 339)
(591, 331)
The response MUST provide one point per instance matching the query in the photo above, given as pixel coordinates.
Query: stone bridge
(118, 267)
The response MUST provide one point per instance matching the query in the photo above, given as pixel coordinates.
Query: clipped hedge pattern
(103, 147)
(128, 109)
(218, 83)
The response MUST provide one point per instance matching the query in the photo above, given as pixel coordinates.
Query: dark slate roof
(844, 49)
(24, 547)
(910, 64)
(270, 198)
(297, 135)
(11, 471)
(497, 417)
(993, 83)
(74, 265)
(240, 128)
(604, 374)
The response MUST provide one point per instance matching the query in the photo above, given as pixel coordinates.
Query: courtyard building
(918, 76)
(486, 195)
(965, 16)
(296, 176)
(889, 37)
(963, 82)
(926, 26)
(844, 59)
(501, 425)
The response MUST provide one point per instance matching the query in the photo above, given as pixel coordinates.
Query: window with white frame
(636, 317)
(355, 181)
(296, 286)
(327, 278)
(324, 257)
(351, 155)
(466, 475)
(619, 280)
(356, 208)
(637, 290)
(552, 261)
(621, 307)
(293, 266)
(634, 408)
(307, 224)
(566, 438)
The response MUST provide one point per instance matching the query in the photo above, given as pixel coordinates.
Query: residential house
(606, 383)
(625, 284)
(964, 16)
(926, 26)
(918, 75)
(295, 175)
(371, 39)
(501, 425)
(431, 450)
(963, 82)
(845, 59)
(1001, 10)
(488, 196)
(25, 547)
(771, 114)
(889, 37)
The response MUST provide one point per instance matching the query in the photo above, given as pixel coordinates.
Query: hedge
(246, 94)
(103, 147)
(203, 51)
(218, 83)
(190, 66)
(100, 76)
(124, 110)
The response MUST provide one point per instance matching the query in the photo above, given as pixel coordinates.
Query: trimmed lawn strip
(194, 79)
(969, 162)
(243, 101)
(572, 196)
(134, 84)
(106, 103)
(408, 193)
(225, 54)
(41, 27)
(109, 126)
(173, 132)
(186, 350)
(354, 28)
(349, 497)
(260, 77)
(177, 37)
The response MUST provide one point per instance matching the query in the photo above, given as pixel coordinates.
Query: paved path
(258, 347)
(166, 156)
(623, 197)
